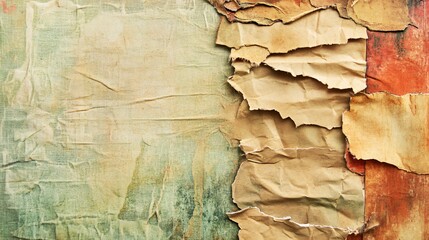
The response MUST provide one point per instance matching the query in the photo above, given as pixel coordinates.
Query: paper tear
(304, 100)
(315, 29)
(314, 186)
(390, 129)
(337, 66)
(255, 224)
(380, 15)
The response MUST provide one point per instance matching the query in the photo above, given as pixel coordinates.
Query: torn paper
(380, 15)
(253, 54)
(266, 12)
(315, 29)
(390, 129)
(340, 5)
(257, 225)
(259, 130)
(110, 129)
(303, 99)
(337, 66)
(314, 186)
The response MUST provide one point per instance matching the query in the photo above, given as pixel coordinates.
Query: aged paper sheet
(390, 129)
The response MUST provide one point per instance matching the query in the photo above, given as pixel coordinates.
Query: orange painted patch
(398, 63)
(6, 8)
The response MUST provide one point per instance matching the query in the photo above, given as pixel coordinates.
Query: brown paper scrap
(315, 29)
(259, 130)
(267, 12)
(340, 5)
(257, 225)
(337, 66)
(312, 187)
(380, 15)
(391, 129)
(303, 99)
(253, 54)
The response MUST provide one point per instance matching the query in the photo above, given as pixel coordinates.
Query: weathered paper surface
(259, 130)
(337, 66)
(266, 12)
(315, 29)
(314, 186)
(303, 99)
(263, 12)
(390, 129)
(340, 5)
(110, 127)
(253, 54)
(256, 225)
(380, 15)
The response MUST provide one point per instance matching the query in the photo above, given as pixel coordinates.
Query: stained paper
(337, 66)
(340, 5)
(111, 116)
(303, 99)
(390, 129)
(380, 15)
(315, 29)
(257, 225)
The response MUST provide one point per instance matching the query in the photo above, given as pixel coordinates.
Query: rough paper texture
(314, 186)
(380, 15)
(303, 99)
(337, 66)
(390, 129)
(263, 12)
(257, 225)
(253, 54)
(315, 29)
(259, 130)
(111, 116)
(340, 5)
(266, 12)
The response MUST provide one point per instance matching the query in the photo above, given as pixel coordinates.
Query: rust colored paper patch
(390, 129)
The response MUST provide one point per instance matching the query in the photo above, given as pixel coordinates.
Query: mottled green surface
(111, 116)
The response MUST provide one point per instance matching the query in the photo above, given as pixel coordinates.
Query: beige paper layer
(391, 129)
(341, 5)
(256, 225)
(337, 66)
(267, 12)
(315, 29)
(259, 130)
(253, 54)
(303, 99)
(312, 187)
(380, 15)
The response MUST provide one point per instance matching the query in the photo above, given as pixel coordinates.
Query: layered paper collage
(129, 119)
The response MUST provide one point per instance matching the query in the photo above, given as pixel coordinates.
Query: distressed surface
(390, 129)
(396, 199)
(111, 115)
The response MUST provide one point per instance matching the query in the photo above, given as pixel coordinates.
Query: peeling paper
(390, 129)
(380, 15)
(111, 116)
(315, 29)
(259, 130)
(257, 225)
(314, 186)
(340, 5)
(303, 99)
(266, 12)
(253, 54)
(337, 66)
